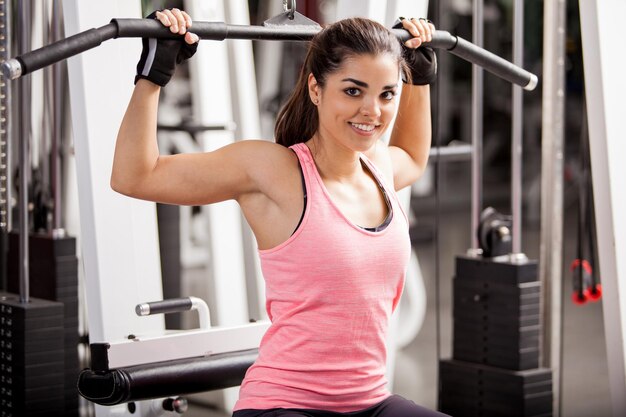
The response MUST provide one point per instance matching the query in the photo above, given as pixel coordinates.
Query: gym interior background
(439, 203)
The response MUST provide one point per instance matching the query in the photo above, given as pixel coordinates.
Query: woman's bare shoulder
(267, 162)
(259, 153)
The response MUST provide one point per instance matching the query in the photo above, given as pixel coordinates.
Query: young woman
(332, 237)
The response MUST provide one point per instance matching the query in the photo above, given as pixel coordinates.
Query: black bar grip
(214, 31)
(441, 39)
(152, 28)
(477, 55)
(55, 52)
(494, 64)
(274, 33)
(174, 305)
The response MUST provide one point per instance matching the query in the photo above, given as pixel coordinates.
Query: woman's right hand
(159, 57)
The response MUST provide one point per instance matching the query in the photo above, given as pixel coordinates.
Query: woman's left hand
(421, 29)
(421, 60)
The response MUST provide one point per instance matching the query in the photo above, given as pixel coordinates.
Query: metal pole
(552, 190)
(5, 135)
(58, 118)
(4, 120)
(516, 134)
(477, 127)
(24, 13)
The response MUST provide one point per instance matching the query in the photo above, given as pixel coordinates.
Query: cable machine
(119, 361)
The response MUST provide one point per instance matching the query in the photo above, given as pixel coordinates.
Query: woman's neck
(333, 161)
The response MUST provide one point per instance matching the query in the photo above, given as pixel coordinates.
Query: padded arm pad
(166, 379)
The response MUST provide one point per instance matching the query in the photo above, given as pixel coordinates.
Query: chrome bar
(24, 19)
(59, 75)
(517, 141)
(477, 128)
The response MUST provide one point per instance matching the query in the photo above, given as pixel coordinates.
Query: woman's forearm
(411, 136)
(136, 150)
(412, 130)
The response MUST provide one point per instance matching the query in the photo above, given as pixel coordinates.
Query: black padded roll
(165, 379)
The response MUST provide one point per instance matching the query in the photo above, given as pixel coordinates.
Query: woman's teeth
(366, 128)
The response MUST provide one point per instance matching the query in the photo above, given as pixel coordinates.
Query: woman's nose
(370, 108)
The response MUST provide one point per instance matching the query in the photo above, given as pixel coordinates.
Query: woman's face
(358, 101)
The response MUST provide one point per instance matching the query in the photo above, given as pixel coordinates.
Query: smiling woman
(358, 98)
(333, 240)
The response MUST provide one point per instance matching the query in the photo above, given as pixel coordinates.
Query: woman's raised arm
(200, 178)
(138, 169)
(410, 140)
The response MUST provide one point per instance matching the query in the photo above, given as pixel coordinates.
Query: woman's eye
(352, 91)
(388, 95)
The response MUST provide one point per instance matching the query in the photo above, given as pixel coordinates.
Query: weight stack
(31, 357)
(54, 276)
(495, 367)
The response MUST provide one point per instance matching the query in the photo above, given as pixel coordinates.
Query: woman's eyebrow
(357, 82)
(365, 85)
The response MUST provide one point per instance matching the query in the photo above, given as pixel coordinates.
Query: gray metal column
(517, 141)
(24, 17)
(477, 126)
(5, 135)
(550, 260)
(59, 77)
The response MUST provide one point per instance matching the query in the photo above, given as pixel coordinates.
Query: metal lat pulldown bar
(136, 28)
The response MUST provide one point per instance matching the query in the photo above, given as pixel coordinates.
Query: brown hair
(297, 121)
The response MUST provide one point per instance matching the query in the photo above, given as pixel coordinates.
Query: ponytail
(297, 120)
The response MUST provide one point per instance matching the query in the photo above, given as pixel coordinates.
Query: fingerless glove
(159, 57)
(422, 62)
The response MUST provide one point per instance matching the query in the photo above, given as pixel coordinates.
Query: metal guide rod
(6, 127)
(477, 129)
(131, 28)
(24, 17)
(516, 134)
(4, 123)
(58, 93)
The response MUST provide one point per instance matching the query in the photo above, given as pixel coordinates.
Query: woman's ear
(314, 89)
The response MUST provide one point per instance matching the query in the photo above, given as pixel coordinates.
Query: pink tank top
(330, 291)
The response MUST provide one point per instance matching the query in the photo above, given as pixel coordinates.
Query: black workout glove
(422, 62)
(159, 57)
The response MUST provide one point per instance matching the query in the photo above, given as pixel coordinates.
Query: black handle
(174, 305)
(57, 51)
(494, 64)
(131, 28)
(479, 56)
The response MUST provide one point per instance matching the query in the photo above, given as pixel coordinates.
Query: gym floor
(585, 384)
